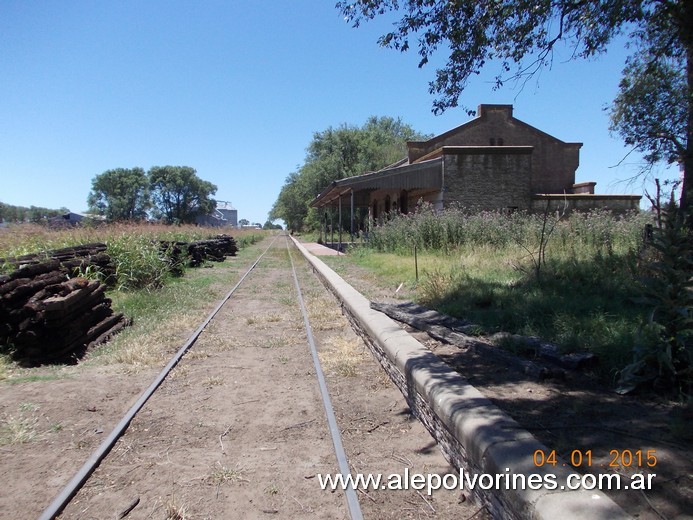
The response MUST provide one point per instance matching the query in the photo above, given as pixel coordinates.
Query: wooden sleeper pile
(75, 260)
(49, 313)
(214, 249)
(46, 317)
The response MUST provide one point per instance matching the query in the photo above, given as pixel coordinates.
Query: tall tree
(649, 112)
(652, 111)
(120, 194)
(337, 153)
(521, 36)
(179, 194)
(291, 205)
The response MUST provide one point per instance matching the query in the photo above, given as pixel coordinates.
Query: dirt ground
(576, 415)
(237, 430)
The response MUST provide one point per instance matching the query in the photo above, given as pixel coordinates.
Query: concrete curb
(474, 434)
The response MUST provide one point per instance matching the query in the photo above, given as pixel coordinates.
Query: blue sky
(236, 89)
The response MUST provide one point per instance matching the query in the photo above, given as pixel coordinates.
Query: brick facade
(488, 178)
(554, 162)
(493, 163)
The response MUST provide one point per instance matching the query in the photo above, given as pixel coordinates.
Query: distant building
(71, 218)
(494, 162)
(224, 215)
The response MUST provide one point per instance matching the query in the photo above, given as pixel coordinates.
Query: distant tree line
(337, 153)
(174, 194)
(10, 213)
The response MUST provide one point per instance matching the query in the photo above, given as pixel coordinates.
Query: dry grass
(5, 367)
(213, 381)
(17, 430)
(273, 342)
(18, 239)
(175, 511)
(342, 356)
(148, 344)
(324, 315)
(222, 474)
(264, 321)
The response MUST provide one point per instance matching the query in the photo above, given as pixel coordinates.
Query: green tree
(651, 110)
(337, 153)
(38, 214)
(120, 194)
(520, 36)
(291, 204)
(179, 194)
(271, 225)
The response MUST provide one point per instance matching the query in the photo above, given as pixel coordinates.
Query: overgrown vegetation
(134, 248)
(144, 281)
(663, 353)
(483, 267)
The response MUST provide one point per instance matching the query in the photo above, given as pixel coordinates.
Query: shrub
(138, 261)
(584, 298)
(663, 353)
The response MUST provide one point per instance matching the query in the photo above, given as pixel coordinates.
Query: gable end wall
(554, 162)
(488, 182)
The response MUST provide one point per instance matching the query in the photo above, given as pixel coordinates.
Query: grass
(23, 428)
(222, 474)
(272, 489)
(342, 356)
(158, 329)
(17, 430)
(213, 381)
(162, 315)
(134, 248)
(482, 268)
(175, 511)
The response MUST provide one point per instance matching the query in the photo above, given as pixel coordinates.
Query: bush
(663, 353)
(485, 272)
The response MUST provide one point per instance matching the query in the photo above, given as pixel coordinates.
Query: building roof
(418, 150)
(225, 204)
(423, 175)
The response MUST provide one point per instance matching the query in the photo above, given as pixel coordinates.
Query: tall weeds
(134, 248)
(453, 229)
(486, 272)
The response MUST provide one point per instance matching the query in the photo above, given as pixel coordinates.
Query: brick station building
(494, 162)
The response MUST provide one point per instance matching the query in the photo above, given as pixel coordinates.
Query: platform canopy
(426, 175)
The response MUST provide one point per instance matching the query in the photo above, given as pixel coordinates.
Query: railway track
(239, 424)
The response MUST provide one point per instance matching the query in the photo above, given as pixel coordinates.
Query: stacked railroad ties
(49, 313)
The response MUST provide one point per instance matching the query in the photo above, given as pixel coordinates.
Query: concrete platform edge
(476, 435)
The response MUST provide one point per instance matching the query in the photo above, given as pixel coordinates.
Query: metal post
(416, 264)
(321, 227)
(340, 223)
(351, 232)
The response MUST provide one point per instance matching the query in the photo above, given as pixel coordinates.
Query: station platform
(321, 250)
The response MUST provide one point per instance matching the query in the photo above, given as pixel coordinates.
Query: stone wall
(586, 202)
(487, 178)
